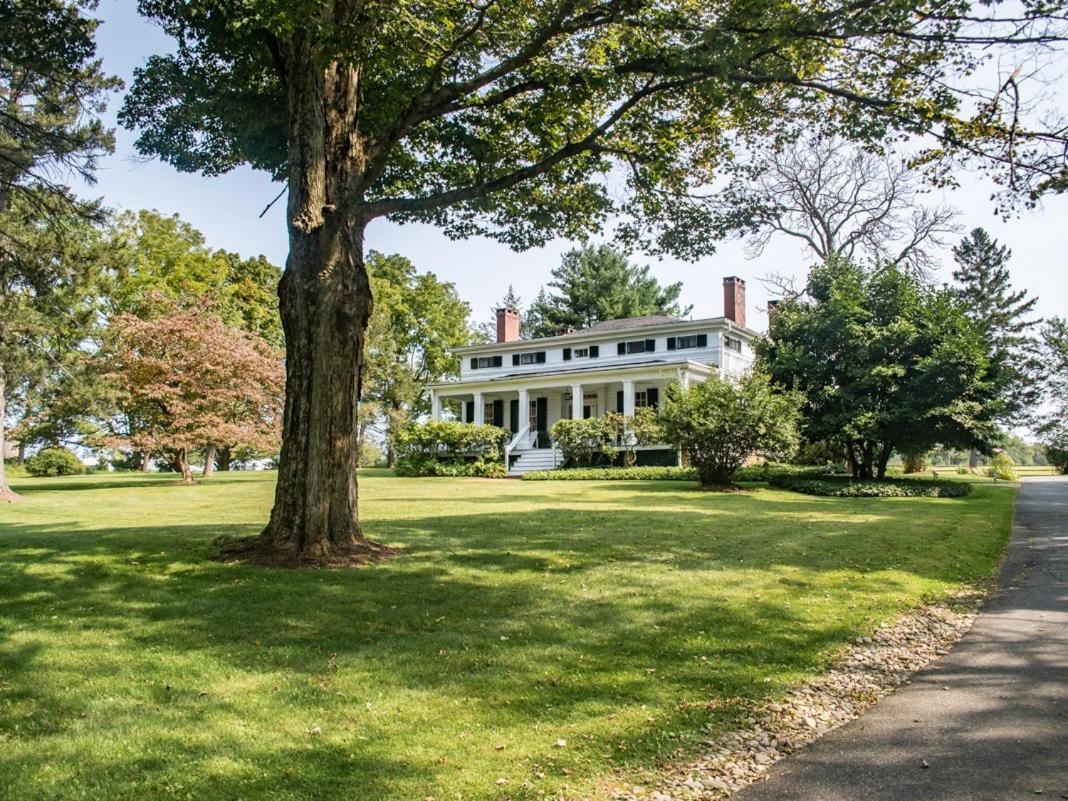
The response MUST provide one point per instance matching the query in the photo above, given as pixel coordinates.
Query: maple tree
(191, 381)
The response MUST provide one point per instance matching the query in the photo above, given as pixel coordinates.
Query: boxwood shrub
(429, 466)
(846, 487)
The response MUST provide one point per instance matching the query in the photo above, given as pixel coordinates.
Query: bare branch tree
(842, 201)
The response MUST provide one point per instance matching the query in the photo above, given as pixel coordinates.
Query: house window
(532, 416)
(482, 362)
(647, 397)
(488, 416)
(691, 341)
(636, 346)
(641, 398)
(591, 352)
(732, 343)
(533, 357)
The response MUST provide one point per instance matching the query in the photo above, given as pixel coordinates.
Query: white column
(435, 406)
(480, 409)
(576, 401)
(628, 398)
(524, 410)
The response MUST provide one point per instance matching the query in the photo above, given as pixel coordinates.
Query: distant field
(532, 641)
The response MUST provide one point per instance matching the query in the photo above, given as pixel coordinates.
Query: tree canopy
(595, 283)
(524, 121)
(884, 363)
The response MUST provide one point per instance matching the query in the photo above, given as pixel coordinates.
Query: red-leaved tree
(190, 381)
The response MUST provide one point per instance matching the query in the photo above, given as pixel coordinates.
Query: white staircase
(533, 459)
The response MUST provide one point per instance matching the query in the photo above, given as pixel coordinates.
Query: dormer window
(484, 362)
(531, 357)
(686, 342)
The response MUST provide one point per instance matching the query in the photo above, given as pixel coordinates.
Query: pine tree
(1003, 314)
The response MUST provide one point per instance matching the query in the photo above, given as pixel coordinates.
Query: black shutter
(539, 357)
(595, 351)
(513, 416)
(474, 363)
(498, 413)
(567, 354)
(671, 343)
(650, 345)
(515, 360)
(652, 397)
(621, 348)
(702, 340)
(497, 361)
(469, 411)
(619, 401)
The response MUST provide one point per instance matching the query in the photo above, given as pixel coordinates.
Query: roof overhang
(561, 378)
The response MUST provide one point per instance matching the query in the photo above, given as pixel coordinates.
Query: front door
(540, 420)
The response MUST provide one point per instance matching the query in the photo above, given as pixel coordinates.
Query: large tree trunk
(223, 459)
(145, 461)
(209, 461)
(325, 303)
(7, 495)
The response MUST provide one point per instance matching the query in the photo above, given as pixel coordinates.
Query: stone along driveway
(989, 722)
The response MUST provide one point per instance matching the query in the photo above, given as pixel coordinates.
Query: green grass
(629, 619)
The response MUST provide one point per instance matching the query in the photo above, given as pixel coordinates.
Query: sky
(226, 210)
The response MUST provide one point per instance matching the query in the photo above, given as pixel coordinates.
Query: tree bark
(884, 458)
(7, 495)
(181, 462)
(209, 461)
(223, 459)
(145, 459)
(325, 303)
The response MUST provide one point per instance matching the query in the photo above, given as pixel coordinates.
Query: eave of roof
(590, 334)
(579, 371)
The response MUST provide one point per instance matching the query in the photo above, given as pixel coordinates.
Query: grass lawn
(629, 619)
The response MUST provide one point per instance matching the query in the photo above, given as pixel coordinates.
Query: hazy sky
(226, 210)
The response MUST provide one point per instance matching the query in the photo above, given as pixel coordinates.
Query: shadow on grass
(561, 613)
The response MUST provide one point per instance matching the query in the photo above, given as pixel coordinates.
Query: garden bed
(847, 487)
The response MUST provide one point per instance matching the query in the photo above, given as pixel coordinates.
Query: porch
(528, 409)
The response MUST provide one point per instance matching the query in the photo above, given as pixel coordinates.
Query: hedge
(846, 487)
(761, 472)
(437, 467)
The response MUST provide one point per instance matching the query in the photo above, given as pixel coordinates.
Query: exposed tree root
(261, 551)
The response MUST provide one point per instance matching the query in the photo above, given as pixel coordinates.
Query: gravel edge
(871, 668)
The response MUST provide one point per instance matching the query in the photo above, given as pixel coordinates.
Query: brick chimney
(734, 299)
(507, 325)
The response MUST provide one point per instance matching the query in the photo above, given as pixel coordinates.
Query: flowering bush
(450, 449)
(1002, 467)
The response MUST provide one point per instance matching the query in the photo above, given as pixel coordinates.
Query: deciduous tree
(190, 380)
(524, 121)
(884, 362)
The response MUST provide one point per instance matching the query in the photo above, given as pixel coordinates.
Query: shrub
(720, 423)
(760, 472)
(1058, 457)
(429, 466)
(582, 441)
(54, 462)
(614, 474)
(450, 441)
(846, 487)
(1002, 467)
(914, 462)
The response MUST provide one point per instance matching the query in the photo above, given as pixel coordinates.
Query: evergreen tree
(595, 283)
(984, 285)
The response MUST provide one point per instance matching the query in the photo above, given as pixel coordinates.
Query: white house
(526, 385)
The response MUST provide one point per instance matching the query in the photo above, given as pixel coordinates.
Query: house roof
(579, 371)
(629, 322)
(662, 323)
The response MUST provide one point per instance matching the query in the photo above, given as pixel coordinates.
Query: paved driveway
(989, 722)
